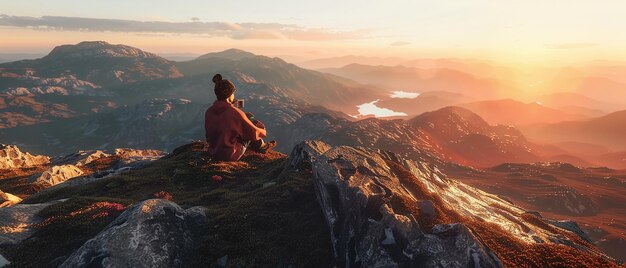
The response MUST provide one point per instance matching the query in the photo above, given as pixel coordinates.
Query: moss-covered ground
(259, 213)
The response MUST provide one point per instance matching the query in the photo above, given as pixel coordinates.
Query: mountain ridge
(417, 224)
(288, 79)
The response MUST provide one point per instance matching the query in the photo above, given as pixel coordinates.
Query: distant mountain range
(603, 82)
(591, 91)
(280, 93)
(421, 80)
(608, 131)
(472, 66)
(452, 134)
(94, 77)
(155, 118)
(497, 111)
(9, 57)
(286, 79)
(568, 100)
(512, 112)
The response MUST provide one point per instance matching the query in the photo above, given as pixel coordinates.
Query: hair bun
(217, 78)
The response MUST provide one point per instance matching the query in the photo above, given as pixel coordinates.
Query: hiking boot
(267, 146)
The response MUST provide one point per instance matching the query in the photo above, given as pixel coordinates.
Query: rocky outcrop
(386, 211)
(355, 188)
(152, 233)
(56, 175)
(18, 222)
(131, 155)
(126, 155)
(12, 157)
(7, 199)
(85, 167)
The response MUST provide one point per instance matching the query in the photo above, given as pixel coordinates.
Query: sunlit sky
(531, 30)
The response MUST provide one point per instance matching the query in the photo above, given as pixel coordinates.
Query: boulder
(56, 175)
(12, 157)
(152, 233)
(7, 199)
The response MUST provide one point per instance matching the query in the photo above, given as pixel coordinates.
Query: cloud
(399, 44)
(571, 45)
(404, 95)
(212, 29)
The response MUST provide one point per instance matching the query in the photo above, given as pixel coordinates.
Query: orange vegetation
(93, 211)
(163, 195)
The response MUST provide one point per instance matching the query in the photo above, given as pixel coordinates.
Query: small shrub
(163, 195)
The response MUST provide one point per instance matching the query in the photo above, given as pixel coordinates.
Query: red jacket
(225, 125)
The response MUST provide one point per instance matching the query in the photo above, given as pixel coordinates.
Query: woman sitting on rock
(230, 131)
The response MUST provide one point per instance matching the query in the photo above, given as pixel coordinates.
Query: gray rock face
(152, 233)
(354, 188)
(374, 202)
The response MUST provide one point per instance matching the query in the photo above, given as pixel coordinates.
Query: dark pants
(252, 145)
